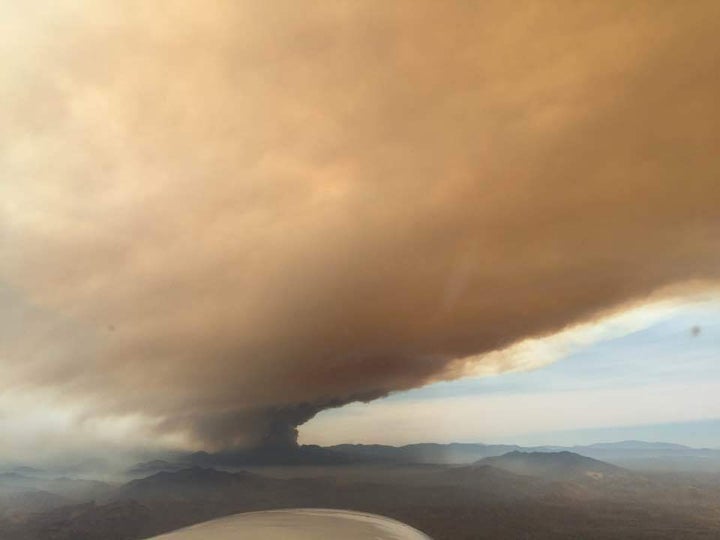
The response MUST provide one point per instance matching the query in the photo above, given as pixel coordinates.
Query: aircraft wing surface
(298, 524)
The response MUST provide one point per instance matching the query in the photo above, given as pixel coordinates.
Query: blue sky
(655, 382)
(664, 351)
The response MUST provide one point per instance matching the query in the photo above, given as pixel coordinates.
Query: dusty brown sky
(226, 216)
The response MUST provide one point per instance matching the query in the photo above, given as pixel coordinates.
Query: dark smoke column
(281, 432)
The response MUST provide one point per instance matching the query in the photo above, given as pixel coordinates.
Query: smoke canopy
(227, 216)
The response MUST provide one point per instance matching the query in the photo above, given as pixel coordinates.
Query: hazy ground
(536, 495)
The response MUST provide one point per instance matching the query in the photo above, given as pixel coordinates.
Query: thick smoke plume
(226, 216)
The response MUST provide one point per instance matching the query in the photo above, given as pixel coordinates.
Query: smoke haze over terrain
(224, 217)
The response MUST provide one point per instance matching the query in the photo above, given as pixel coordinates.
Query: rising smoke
(228, 216)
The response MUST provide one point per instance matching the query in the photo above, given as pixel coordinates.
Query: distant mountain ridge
(629, 454)
(638, 445)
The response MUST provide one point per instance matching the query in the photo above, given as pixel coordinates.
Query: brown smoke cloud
(228, 216)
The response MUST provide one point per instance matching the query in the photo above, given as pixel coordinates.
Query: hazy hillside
(548, 493)
(554, 465)
(514, 496)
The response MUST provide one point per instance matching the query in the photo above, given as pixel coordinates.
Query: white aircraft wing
(298, 524)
